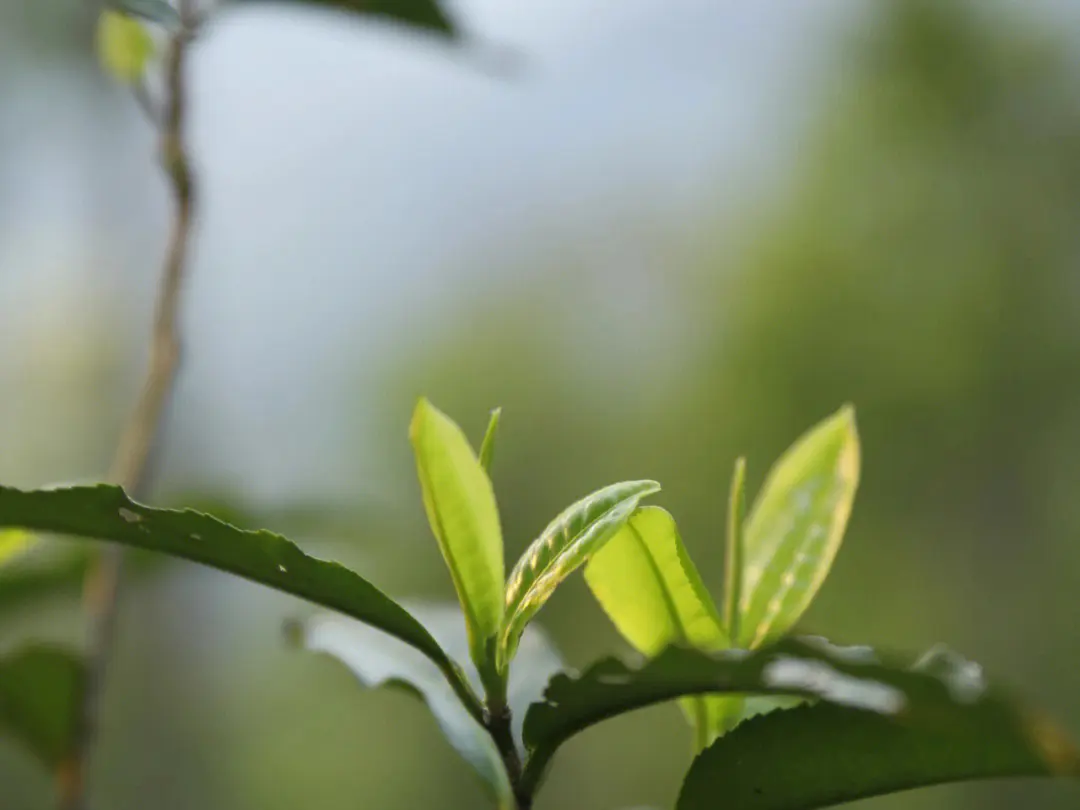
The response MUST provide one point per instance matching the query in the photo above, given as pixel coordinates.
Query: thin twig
(131, 464)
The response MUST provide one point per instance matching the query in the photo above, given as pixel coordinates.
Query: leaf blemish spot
(129, 516)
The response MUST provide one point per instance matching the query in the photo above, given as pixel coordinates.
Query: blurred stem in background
(131, 465)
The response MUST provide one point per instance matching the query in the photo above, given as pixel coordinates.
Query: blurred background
(679, 232)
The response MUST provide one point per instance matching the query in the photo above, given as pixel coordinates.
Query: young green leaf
(795, 528)
(377, 659)
(106, 513)
(124, 46)
(567, 542)
(461, 509)
(734, 553)
(824, 755)
(424, 15)
(652, 592)
(40, 688)
(922, 698)
(487, 449)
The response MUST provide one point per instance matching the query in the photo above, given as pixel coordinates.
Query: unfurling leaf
(651, 590)
(796, 526)
(567, 542)
(40, 690)
(464, 518)
(124, 46)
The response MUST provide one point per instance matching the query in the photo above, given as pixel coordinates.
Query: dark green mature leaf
(426, 15)
(106, 513)
(823, 755)
(155, 11)
(808, 667)
(568, 541)
(39, 700)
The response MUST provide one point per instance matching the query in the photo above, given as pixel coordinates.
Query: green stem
(473, 705)
(499, 726)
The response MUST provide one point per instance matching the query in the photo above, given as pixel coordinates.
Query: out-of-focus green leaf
(796, 526)
(487, 449)
(376, 659)
(424, 15)
(567, 542)
(124, 46)
(52, 570)
(651, 590)
(379, 660)
(40, 688)
(824, 755)
(464, 518)
(106, 513)
(13, 542)
(160, 12)
(734, 551)
(923, 698)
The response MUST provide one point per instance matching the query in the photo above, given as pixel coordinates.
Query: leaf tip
(423, 411)
(648, 487)
(850, 454)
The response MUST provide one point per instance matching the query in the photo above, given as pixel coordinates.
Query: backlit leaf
(651, 590)
(464, 518)
(40, 689)
(795, 528)
(487, 449)
(734, 549)
(567, 542)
